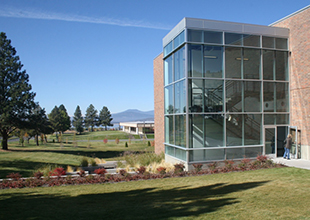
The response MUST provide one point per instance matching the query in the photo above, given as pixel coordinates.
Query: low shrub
(93, 162)
(179, 167)
(84, 162)
(161, 170)
(122, 172)
(59, 171)
(14, 176)
(141, 170)
(100, 171)
(81, 173)
(198, 167)
(38, 174)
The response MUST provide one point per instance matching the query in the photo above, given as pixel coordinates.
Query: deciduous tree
(16, 98)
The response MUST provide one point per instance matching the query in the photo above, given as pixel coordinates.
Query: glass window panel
(251, 40)
(178, 40)
(179, 97)
(213, 61)
(268, 64)
(179, 64)
(213, 130)
(180, 130)
(197, 155)
(168, 49)
(169, 129)
(234, 130)
(169, 150)
(235, 153)
(233, 96)
(269, 119)
(196, 133)
(268, 42)
(168, 70)
(252, 129)
(213, 95)
(253, 151)
(252, 99)
(251, 64)
(169, 108)
(282, 119)
(282, 97)
(281, 65)
(234, 39)
(281, 43)
(269, 95)
(196, 95)
(195, 60)
(194, 36)
(233, 58)
(270, 134)
(213, 37)
(204, 155)
(181, 154)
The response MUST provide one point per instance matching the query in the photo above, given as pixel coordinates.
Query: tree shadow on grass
(145, 203)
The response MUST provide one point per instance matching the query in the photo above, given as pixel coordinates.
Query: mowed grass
(279, 193)
(26, 160)
(96, 135)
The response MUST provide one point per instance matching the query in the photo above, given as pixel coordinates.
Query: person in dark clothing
(287, 146)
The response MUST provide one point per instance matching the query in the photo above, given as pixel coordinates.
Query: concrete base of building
(305, 152)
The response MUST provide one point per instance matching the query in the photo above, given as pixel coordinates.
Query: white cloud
(26, 13)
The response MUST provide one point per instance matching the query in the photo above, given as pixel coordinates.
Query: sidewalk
(299, 163)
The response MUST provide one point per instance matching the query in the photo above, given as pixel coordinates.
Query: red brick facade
(299, 25)
(159, 104)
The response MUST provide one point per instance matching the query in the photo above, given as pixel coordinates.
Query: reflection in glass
(195, 60)
(251, 63)
(233, 39)
(252, 99)
(169, 129)
(179, 97)
(252, 129)
(234, 130)
(281, 43)
(282, 119)
(195, 95)
(194, 36)
(178, 40)
(268, 64)
(282, 97)
(233, 58)
(269, 95)
(268, 42)
(281, 65)
(250, 152)
(270, 142)
(169, 108)
(233, 96)
(169, 150)
(213, 130)
(213, 37)
(269, 119)
(168, 70)
(168, 49)
(213, 96)
(196, 131)
(181, 154)
(203, 155)
(251, 40)
(180, 130)
(235, 153)
(213, 61)
(179, 64)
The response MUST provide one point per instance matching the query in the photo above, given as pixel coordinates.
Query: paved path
(299, 163)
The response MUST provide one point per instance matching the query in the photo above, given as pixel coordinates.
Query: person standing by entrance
(287, 146)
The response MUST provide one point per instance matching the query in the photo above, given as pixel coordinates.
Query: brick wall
(299, 25)
(159, 103)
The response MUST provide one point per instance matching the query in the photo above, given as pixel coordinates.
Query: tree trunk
(37, 140)
(4, 142)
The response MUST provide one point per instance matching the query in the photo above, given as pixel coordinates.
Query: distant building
(226, 90)
(138, 127)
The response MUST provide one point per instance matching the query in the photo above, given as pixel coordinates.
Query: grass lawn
(28, 159)
(96, 135)
(279, 193)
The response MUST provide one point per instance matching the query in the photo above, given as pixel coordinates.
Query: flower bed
(57, 177)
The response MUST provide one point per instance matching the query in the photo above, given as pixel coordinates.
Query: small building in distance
(138, 127)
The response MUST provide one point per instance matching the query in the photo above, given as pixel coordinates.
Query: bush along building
(224, 90)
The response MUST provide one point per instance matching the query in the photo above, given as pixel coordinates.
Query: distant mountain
(133, 115)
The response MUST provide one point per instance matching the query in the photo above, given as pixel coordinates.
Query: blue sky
(101, 52)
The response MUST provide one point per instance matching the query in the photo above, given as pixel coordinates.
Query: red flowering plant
(59, 171)
(100, 171)
(161, 170)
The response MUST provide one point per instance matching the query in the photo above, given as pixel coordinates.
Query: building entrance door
(296, 143)
(270, 145)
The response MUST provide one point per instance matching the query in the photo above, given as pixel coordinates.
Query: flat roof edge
(290, 15)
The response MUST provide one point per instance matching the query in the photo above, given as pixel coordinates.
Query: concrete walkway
(299, 163)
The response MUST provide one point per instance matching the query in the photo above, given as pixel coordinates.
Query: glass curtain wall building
(223, 83)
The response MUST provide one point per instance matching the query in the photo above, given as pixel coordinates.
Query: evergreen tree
(91, 117)
(77, 120)
(59, 119)
(105, 117)
(16, 98)
(65, 119)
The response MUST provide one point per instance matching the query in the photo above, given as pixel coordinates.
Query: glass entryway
(296, 145)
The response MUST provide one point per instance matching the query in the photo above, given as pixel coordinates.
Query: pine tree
(91, 117)
(16, 98)
(77, 120)
(105, 117)
(59, 119)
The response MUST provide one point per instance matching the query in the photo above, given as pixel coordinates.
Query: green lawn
(279, 193)
(28, 159)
